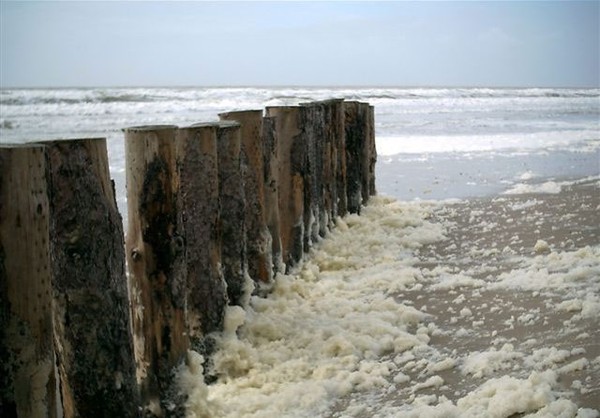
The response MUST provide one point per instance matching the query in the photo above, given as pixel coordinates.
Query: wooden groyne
(215, 212)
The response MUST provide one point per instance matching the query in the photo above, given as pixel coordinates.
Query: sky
(141, 43)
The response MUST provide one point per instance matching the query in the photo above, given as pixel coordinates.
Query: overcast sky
(300, 43)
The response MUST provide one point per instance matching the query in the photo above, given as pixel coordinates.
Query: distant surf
(416, 128)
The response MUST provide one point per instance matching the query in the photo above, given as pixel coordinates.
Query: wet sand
(506, 328)
(489, 237)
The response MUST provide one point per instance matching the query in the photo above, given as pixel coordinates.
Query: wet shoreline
(479, 332)
(488, 237)
(463, 308)
(472, 175)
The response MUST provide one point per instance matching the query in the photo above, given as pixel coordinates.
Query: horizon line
(307, 86)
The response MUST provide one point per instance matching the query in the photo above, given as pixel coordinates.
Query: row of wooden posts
(209, 206)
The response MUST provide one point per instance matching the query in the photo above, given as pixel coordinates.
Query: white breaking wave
(417, 123)
(437, 111)
(422, 144)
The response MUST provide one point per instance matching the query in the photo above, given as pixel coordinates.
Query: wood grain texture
(27, 369)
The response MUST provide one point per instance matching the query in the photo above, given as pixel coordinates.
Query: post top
(322, 102)
(355, 102)
(48, 142)
(225, 124)
(67, 140)
(21, 145)
(147, 128)
(218, 124)
(240, 112)
(283, 107)
(201, 125)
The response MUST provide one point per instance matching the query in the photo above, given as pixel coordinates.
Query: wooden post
(371, 153)
(233, 206)
(155, 257)
(316, 171)
(325, 121)
(200, 218)
(356, 125)
(336, 119)
(91, 304)
(258, 238)
(271, 181)
(27, 366)
(290, 158)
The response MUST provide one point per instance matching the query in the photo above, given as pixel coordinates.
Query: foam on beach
(378, 322)
(322, 333)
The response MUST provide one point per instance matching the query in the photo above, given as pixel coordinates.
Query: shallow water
(462, 175)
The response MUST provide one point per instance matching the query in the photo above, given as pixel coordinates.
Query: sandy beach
(519, 328)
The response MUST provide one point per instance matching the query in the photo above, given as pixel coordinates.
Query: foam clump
(190, 380)
(481, 364)
(505, 396)
(541, 247)
(235, 316)
(324, 329)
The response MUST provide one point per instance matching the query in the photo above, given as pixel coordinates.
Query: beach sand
(481, 307)
(500, 308)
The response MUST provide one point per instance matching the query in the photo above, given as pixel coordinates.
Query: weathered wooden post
(371, 151)
(27, 366)
(356, 125)
(200, 219)
(156, 262)
(316, 171)
(336, 118)
(291, 162)
(271, 181)
(325, 120)
(233, 206)
(258, 237)
(91, 304)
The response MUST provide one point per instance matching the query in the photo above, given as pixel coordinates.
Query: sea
(468, 287)
(448, 142)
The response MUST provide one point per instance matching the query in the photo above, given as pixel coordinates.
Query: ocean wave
(7, 124)
(577, 140)
(101, 98)
(139, 98)
(287, 97)
(477, 93)
(17, 97)
(399, 112)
